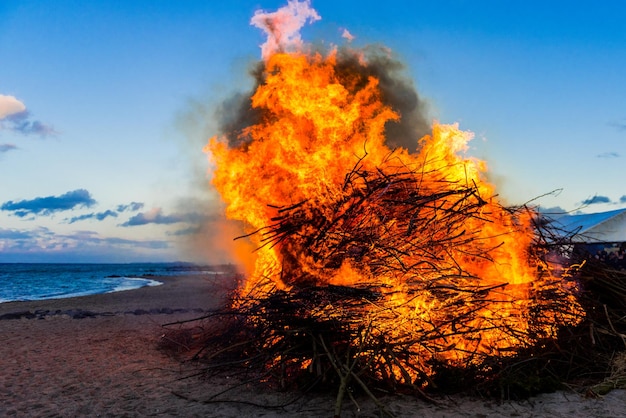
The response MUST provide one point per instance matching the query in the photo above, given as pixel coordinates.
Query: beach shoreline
(180, 291)
(108, 363)
(98, 354)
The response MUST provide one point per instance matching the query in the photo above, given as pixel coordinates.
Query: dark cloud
(156, 216)
(22, 213)
(7, 148)
(50, 204)
(554, 210)
(131, 207)
(622, 199)
(23, 123)
(608, 155)
(100, 216)
(596, 199)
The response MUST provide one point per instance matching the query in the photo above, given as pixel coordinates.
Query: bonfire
(376, 266)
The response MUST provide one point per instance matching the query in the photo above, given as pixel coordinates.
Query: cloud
(92, 238)
(622, 199)
(43, 245)
(50, 204)
(596, 199)
(554, 210)
(192, 230)
(14, 234)
(9, 105)
(152, 244)
(608, 155)
(15, 117)
(14, 240)
(7, 147)
(132, 207)
(156, 216)
(99, 216)
(22, 123)
(620, 126)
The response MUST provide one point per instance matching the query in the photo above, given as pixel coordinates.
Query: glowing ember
(444, 269)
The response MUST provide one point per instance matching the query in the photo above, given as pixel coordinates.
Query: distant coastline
(41, 281)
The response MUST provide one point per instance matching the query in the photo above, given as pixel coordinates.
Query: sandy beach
(99, 356)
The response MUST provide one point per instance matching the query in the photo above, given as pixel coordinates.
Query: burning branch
(388, 335)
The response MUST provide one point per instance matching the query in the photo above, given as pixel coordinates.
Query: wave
(129, 283)
(24, 282)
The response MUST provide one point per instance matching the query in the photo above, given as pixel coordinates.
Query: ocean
(36, 281)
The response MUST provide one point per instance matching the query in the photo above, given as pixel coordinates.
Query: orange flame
(320, 122)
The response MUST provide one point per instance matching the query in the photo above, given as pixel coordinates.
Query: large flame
(317, 150)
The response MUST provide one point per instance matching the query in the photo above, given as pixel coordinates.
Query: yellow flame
(317, 125)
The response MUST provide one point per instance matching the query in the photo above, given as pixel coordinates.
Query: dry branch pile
(588, 357)
(386, 223)
(374, 337)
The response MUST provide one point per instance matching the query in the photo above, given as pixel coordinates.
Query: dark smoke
(230, 118)
(235, 114)
(397, 90)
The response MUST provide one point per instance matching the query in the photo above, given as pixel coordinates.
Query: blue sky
(105, 107)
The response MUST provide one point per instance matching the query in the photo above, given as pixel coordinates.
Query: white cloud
(9, 105)
(347, 35)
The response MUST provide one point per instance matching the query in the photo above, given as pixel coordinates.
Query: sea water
(36, 281)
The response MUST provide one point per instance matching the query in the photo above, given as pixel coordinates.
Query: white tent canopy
(595, 227)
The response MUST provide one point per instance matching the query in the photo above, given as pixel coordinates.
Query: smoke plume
(398, 91)
(283, 26)
(231, 117)
(236, 113)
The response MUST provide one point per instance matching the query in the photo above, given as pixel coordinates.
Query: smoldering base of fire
(337, 339)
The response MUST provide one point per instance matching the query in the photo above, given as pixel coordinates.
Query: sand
(98, 356)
